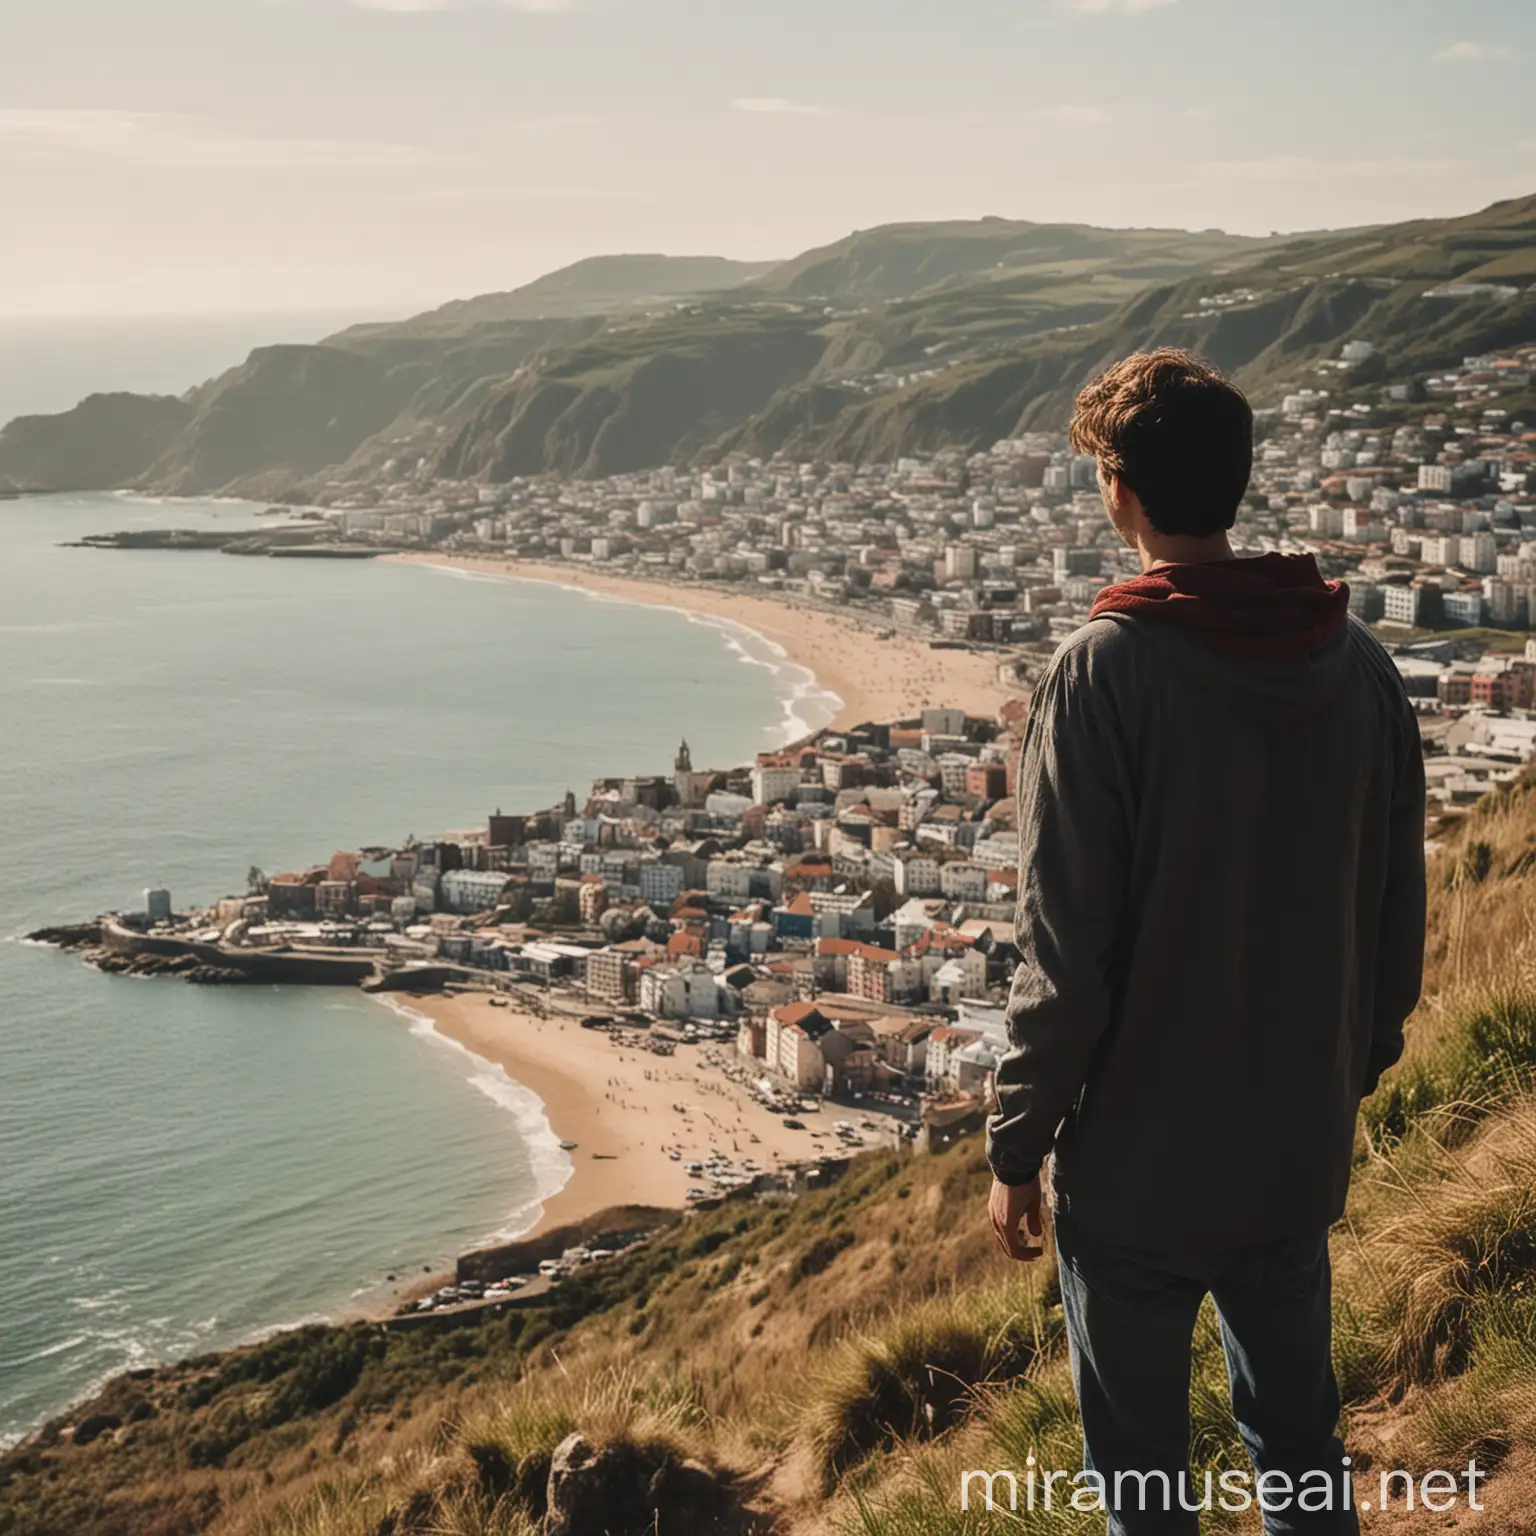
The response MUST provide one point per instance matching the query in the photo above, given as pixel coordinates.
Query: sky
(186, 156)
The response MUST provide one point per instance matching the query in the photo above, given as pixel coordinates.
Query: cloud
(777, 106)
(1118, 7)
(1475, 53)
(182, 141)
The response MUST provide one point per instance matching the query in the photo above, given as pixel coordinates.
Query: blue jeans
(1130, 1320)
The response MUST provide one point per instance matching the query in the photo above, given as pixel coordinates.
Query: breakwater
(116, 946)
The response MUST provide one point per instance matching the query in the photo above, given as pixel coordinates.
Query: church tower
(682, 776)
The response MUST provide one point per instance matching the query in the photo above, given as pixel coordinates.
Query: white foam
(551, 1164)
(47, 1352)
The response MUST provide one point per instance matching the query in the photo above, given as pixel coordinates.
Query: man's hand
(1010, 1206)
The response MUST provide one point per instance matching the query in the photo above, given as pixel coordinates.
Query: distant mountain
(600, 285)
(105, 442)
(895, 261)
(905, 337)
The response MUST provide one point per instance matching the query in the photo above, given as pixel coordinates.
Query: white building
(771, 786)
(916, 874)
(728, 880)
(960, 880)
(472, 890)
(1480, 553)
(960, 563)
(687, 992)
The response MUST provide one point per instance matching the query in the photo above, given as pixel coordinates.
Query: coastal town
(833, 921)
(1422, 499)
(771, 966)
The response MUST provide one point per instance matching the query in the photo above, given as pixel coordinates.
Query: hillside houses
(1418, 491)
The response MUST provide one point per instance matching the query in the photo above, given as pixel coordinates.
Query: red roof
(794, 1013)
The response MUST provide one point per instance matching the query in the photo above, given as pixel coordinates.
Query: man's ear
(1122, 503)
(1120, 495)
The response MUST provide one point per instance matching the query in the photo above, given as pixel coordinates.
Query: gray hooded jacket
(1221, 918)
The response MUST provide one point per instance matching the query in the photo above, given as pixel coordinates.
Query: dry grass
(915, 1373)
(1450, 1236)
(512, 1438)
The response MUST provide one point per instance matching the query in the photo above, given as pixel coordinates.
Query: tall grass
(1449, 1238)
(1465, 1057)
(914, 1374)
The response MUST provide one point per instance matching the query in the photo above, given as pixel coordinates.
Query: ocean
(182, 1168)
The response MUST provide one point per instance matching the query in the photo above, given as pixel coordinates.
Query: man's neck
(1177, 549)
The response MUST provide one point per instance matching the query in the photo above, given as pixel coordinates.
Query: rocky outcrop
(633, 1489)
(68, 936)
(186, 967)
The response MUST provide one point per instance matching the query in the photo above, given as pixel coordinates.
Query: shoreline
(872, 679)
(623, 1107)
(627, 1106)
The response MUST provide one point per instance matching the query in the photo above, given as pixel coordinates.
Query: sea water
(183, 1167)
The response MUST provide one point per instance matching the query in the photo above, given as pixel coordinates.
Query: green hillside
(898, 339)
(896, 261)
(1268, 322)
(600, 285)
(632, 393)
(287, 412)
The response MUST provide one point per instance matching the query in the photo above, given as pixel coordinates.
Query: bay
(182, 1168)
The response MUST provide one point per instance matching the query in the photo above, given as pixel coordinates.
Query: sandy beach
(876, 679)
(625, 1109)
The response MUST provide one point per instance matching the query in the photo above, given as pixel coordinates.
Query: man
(1221, 923)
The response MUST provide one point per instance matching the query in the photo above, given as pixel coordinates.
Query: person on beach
(1221, 928)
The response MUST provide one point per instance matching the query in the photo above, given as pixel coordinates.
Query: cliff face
(107, 441)
(622, 402)
(288, 412)
(1273, 337)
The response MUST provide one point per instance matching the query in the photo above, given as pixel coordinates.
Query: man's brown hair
(1175, 432)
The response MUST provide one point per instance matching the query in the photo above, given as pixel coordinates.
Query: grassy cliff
(895, 339)
(830, 1364)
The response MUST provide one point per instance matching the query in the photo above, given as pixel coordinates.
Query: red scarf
(1269, 606)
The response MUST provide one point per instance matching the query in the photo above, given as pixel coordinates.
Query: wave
(551, 1164)
(63, 1346)
(820, 705)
